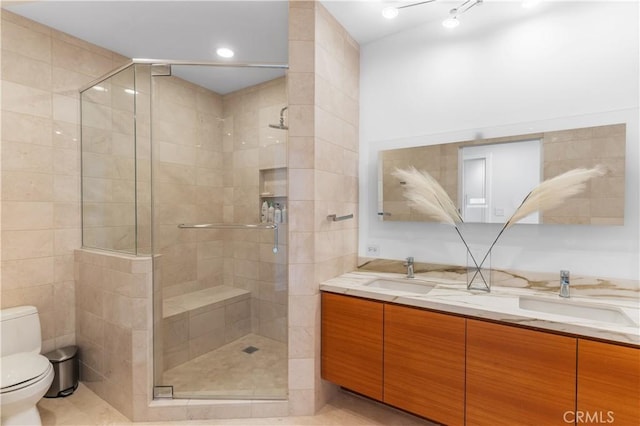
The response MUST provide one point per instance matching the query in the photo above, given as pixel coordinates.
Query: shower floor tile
(230, 371)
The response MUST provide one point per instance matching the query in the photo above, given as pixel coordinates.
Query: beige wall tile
(27, 272)
(301, 119)
(301, 56)
(26, 100)
(20, 215)
(301, 152)
(26, 128)
(301, 88)
(301, 247)
(18, 38)
(66, 109)
(301, 373)
(27, 244)
(302, 342)
(301, 184)
(71, 56)
(27, 157)
(301, 24)
(26, 71)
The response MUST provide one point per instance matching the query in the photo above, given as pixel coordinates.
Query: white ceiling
(182, 30)
(256, 30)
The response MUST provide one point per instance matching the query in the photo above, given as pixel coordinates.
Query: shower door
(220, 281)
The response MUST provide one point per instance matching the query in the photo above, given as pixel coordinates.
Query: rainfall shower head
(280, 126)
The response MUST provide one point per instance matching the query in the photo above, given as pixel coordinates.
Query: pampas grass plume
(427, 196)
(553, 192)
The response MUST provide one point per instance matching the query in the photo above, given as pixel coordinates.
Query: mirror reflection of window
(496, 178)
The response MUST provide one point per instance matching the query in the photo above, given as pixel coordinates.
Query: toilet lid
(22, 368)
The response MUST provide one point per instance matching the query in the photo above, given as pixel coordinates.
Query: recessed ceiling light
(225, 52)
(390, 12)
(130, 91)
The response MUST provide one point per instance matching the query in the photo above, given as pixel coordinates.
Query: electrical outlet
(373, 250)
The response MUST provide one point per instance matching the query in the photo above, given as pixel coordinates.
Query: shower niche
(273, 188)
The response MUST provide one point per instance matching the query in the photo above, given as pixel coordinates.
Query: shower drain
(250, 349)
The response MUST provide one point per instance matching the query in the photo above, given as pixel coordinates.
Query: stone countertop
(450, 295)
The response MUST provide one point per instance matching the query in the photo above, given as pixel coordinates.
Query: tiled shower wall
(114, 326)
(251, 147)
(323, 85)
(209, 149)
(42, 70)
(188, 185)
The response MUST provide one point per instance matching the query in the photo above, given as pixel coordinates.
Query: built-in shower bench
(203, 300)
(201, 321)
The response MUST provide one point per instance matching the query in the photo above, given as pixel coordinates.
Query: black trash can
(67, 370)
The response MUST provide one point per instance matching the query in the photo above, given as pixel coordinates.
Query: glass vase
(479, 269)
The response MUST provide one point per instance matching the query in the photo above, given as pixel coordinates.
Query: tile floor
(228, 371)
(85, 408)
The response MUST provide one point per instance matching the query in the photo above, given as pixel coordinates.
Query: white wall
(569, 65)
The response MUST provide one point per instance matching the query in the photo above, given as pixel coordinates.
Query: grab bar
(336, 218)
(273, 226)
(230, 225)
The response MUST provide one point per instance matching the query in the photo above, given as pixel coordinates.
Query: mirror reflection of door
(496, 178)
(474, 177)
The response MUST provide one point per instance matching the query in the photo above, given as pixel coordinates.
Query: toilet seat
(22, 370)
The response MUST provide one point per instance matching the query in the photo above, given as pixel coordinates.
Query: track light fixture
(452, 21)
(391, 12)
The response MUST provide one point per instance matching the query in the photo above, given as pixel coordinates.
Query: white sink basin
(601, 313)
(405, 286)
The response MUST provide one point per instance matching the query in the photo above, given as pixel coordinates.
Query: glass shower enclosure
(178, 159)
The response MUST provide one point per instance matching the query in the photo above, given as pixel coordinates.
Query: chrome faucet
(409, 265)
(564, 284)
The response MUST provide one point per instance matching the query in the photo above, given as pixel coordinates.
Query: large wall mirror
(489, 178)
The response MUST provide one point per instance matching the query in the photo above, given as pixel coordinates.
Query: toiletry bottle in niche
(263, 212)
(277, 214)
(284, 214)
(270, 212)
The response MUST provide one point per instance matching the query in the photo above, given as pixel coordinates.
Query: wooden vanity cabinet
(608, 383)
(518, 376)
(351, 345)
(458, 371)
(424, 357)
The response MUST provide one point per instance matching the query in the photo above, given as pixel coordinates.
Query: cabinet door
(352, 343)
(518, 376)
(608, 383)
(424, 363)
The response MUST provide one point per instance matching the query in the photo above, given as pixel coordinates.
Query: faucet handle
(410, 260)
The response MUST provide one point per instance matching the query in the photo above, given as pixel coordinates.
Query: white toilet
(26, 375)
